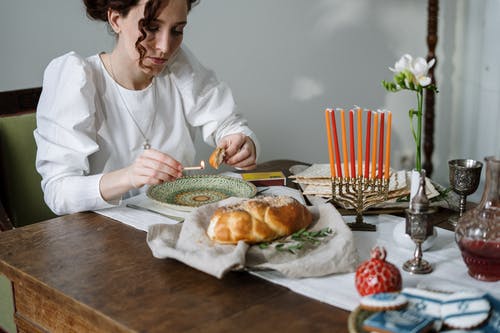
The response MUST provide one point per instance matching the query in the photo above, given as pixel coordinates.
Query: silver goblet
(465, 175)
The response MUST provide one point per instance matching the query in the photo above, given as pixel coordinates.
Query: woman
(111, 123)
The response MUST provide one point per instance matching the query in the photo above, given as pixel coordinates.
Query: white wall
(32, 32)
(472, 120)
(286, 60)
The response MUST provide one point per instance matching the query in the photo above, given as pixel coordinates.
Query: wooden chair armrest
(5, 223)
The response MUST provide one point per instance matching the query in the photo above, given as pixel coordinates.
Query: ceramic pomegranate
(377, 275)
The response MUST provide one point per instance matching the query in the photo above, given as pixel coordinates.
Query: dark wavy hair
(98, 10)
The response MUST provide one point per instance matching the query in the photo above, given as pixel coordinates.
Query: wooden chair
(21, 197)
(5, 223)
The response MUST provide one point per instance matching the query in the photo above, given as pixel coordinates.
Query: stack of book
(273, 178)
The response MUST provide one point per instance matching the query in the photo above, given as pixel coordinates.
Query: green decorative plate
(187, 193)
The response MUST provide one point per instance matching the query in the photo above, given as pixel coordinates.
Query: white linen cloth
(84, 129)
(190, 244)
(450, 272)
(140, 219)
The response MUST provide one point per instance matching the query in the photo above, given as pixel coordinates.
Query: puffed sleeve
(66, 136)
(208, 102)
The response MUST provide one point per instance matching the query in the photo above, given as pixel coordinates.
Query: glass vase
(478, 230)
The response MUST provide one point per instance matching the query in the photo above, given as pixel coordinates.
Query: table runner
(338, 290)
(450, 272)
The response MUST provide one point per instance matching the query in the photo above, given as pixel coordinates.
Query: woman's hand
(240, 151)
(153, 167)
(150, 168)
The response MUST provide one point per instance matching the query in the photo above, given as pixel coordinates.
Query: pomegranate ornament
(377, 275)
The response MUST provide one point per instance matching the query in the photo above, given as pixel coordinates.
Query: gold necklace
(145, 144)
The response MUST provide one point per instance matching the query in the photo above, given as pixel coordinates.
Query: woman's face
(164, 35)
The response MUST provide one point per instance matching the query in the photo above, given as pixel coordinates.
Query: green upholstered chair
(21, 198)
(6, 306)
(21, 195)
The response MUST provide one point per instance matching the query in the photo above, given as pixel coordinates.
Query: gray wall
(286, 60)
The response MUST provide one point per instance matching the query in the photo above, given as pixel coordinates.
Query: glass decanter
(478, 230)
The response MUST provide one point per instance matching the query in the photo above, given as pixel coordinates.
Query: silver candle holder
(419, 227)
(359, 193)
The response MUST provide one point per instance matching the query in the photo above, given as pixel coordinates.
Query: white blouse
(84, 129)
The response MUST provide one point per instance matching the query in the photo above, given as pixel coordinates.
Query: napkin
(189, 243)
(140, 219)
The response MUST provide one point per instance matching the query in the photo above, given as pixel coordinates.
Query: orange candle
(351, 144)
(360, 145)
(388, 146)
(374, 146)
(336, 145)
(381, 147)
(367, 144)
(330, 144)
(344, 143)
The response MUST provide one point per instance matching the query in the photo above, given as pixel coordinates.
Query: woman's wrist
(114, 184)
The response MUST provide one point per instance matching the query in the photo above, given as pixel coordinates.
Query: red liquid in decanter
(478, 230)
(482, 258)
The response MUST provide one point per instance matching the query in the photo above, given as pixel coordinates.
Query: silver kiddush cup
(465, 175)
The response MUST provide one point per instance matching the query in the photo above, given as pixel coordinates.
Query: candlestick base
(362, 226)
(359, 193)
(417, 266)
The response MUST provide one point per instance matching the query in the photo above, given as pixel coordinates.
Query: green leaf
(412, 86)
(400, 80)
(403, 199)
(443, 194)
(432, 87)
(390, 86)
(299, 239)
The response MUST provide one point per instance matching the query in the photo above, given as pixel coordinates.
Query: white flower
(411, 74)
(418, 67)
(402, 64)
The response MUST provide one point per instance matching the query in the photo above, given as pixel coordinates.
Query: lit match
(197, 167)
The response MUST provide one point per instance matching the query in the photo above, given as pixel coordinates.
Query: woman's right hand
(150, 168)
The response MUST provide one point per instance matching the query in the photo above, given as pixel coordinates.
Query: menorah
(360, 194)
(354, 188)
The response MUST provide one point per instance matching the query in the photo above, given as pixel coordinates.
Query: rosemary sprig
(298, 240)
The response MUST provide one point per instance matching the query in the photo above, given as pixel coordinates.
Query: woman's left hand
(240, 151)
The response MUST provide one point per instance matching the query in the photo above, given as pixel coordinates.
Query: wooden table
(88, 273)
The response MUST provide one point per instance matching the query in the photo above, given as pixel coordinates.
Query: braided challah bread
(258, 220)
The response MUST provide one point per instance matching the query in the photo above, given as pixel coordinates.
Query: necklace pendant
(146, 145)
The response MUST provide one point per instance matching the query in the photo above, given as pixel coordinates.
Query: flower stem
(418, 137)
